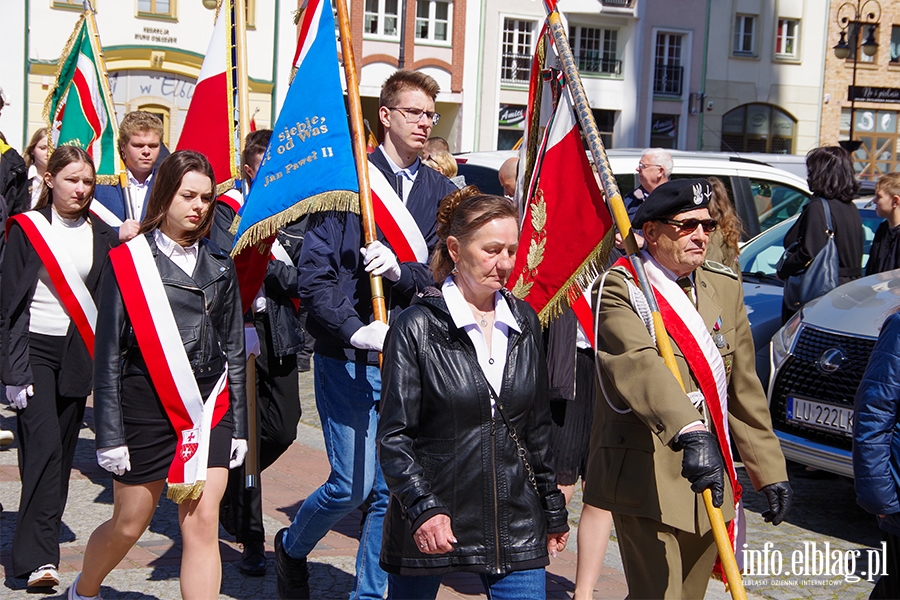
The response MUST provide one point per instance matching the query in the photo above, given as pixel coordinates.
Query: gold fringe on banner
(180, 492)
(534, 133)
(584, 275)
(336, 200)
(225, 186)
(106, 180)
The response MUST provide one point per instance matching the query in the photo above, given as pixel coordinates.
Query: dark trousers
(888, 586)
(278, 412)
(48, 431)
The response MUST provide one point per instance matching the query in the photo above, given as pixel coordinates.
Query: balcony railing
(596, 64)
(515, 69)
(668, 80)
(618, 3)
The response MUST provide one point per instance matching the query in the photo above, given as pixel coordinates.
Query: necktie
(687, 287)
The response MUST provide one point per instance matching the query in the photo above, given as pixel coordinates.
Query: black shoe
(253, 560)
(292, 573)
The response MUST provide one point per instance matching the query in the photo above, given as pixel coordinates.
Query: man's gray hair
(662, 158)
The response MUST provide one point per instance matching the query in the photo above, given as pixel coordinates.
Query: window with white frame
(381, 17)
(517, 49)
(433, 20)
(744, 31)
(786, 38)
(668, 73)
(156, 8)
(595, 49)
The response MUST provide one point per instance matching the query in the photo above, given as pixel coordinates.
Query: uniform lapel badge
(718, 338)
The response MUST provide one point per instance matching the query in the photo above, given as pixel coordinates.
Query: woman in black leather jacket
(464, 387)
(137, 430)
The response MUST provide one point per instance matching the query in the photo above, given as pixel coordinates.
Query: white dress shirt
(35, 184)
(183, 256)
(492, 363)
(138, 192)
(407, 175)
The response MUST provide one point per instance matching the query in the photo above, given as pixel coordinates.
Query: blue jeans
(347, 394)
(518, 585)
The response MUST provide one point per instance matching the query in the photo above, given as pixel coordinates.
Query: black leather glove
(779, 496)
(702, 464)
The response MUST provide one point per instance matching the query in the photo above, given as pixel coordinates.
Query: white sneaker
(45, 576)
(6, 437)
(73, 595)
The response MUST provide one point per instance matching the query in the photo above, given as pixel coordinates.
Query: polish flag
(567, 229)
(208, 125)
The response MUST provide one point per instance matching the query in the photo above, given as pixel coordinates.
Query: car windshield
(760, 255)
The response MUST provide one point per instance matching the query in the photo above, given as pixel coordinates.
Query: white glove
(251, 341)
(238, 453)
(17, 395)
(380, 261)
(370, 337)
(116, 460)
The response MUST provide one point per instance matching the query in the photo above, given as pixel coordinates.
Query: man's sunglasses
(689, 225)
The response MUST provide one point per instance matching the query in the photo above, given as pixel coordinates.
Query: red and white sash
(685, 325)
(170, 370)
(104, 214)
(72, 291)
(233, 199)
(395, 221)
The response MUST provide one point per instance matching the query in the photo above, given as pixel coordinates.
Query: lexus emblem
(831, 360)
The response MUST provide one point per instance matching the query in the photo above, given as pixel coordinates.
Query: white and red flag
(209, 126)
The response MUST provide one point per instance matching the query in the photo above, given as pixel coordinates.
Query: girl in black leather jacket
(137, 430)
(465, 420)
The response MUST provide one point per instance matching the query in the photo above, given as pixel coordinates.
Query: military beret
(671, 198)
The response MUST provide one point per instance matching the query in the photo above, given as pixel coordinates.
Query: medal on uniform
(717, 337)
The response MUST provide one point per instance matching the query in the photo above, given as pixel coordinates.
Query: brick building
(877, 104)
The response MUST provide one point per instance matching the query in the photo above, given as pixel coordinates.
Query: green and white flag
(78, 110)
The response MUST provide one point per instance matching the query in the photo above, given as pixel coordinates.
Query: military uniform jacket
(640, 407)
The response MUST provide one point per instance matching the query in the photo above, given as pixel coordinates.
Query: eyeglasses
(642, 166)
(689, 225)
(414, 115)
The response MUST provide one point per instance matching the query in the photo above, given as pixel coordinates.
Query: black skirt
(570, 433)
(150, 436)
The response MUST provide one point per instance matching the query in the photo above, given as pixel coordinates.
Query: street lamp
(862, 13)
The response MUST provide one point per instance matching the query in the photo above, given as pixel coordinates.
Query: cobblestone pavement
(824, 512)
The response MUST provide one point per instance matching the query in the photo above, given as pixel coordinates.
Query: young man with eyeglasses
(333, 281)
(657, 445)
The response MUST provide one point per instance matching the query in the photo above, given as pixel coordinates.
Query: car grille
(800, 376)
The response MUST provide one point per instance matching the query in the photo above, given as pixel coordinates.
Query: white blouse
(48, 316)
(183, 256)
(492, 363)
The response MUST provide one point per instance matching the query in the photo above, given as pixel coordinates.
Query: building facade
(153, 50)
(873, 105)
(764, 76)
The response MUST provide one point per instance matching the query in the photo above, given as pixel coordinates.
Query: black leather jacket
(207, 309)
(443, 452)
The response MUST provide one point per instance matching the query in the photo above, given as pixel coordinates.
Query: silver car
(818, 359)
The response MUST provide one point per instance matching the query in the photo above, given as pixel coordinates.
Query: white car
(763, 195)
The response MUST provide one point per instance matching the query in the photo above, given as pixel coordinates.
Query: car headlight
(783, 341)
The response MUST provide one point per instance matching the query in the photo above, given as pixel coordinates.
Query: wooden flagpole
(251, 461)
(617, 207)
(358, 136)
(91, 19)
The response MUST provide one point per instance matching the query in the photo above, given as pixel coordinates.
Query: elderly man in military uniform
(654, 445)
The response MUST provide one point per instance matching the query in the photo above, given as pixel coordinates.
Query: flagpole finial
(87, 6)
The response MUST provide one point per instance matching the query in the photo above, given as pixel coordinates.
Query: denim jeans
(347, 394)
(518, 585)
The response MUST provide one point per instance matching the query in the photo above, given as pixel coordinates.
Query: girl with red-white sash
(169, 403)
(51, 272)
